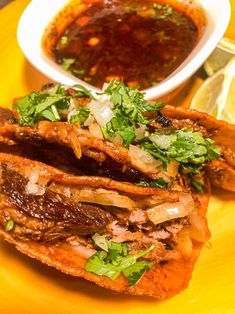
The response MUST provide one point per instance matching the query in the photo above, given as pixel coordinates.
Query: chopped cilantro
(83, 91)
(158, 6)
(81, 116)
(157, 183)
(59, 90)
(114, 260)
(164, 10)
(101, 241)
(129, 109)
(97, 264)
(41, 106)
(130, 102)
(79, 72)
(122, 126)
(187, 147)
(10, 225)
(136, 271)
(51, 104)
(67, 62)
(129, 113)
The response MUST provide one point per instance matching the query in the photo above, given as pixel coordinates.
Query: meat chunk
(75, 205)
(84, 218)
(146, 194)
(27, 228)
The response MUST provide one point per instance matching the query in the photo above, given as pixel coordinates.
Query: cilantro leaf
(129, 109)
(52, 104)
(157, 183)
(120, 248)
(67, 62)
(128, 136)
(130, 102)
(131, 259)
(26, 107)
(165, 10)
(155, 151)
(81, 116)
(82, 91)
(187, 147)
(134, 272)
(97, 264)
(60, 90)
(122, 126)
(48, 102)
(41, 106)
(101, 241)
(114, 260)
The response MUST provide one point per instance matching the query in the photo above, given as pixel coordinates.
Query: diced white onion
(188, 201)
(89, 120)
(101, 111)
(140, 132)
(83, 251)
(163, 141)
(198, 230)
(72, 111)
(117, 140)
(99, 196)
(168, 211)
(184, 242)
(150, 163)
(34, 175)
(108, 199)
(34, 189)
(95, 130)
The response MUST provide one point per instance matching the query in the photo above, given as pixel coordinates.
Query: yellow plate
(27, 286)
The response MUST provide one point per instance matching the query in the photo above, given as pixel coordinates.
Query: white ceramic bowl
(39, 13)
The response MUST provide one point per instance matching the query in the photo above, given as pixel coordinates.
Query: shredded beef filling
(83, 218)
(66, 161)
(51, 217)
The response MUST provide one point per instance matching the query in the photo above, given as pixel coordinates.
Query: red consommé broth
(138, 42)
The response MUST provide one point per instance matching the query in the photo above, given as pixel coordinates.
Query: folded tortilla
(55, 212)
(221, 172)
(60, 185)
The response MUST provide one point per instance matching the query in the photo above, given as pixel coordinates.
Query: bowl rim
(30, 38)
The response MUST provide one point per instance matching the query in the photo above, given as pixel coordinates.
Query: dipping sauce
(138, 42)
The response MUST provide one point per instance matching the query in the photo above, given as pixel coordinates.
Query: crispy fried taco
(109, 187)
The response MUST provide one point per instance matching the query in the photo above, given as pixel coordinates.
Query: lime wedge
(216, 96)
(220, 56)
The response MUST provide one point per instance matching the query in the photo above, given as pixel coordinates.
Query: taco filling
(109, 187)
